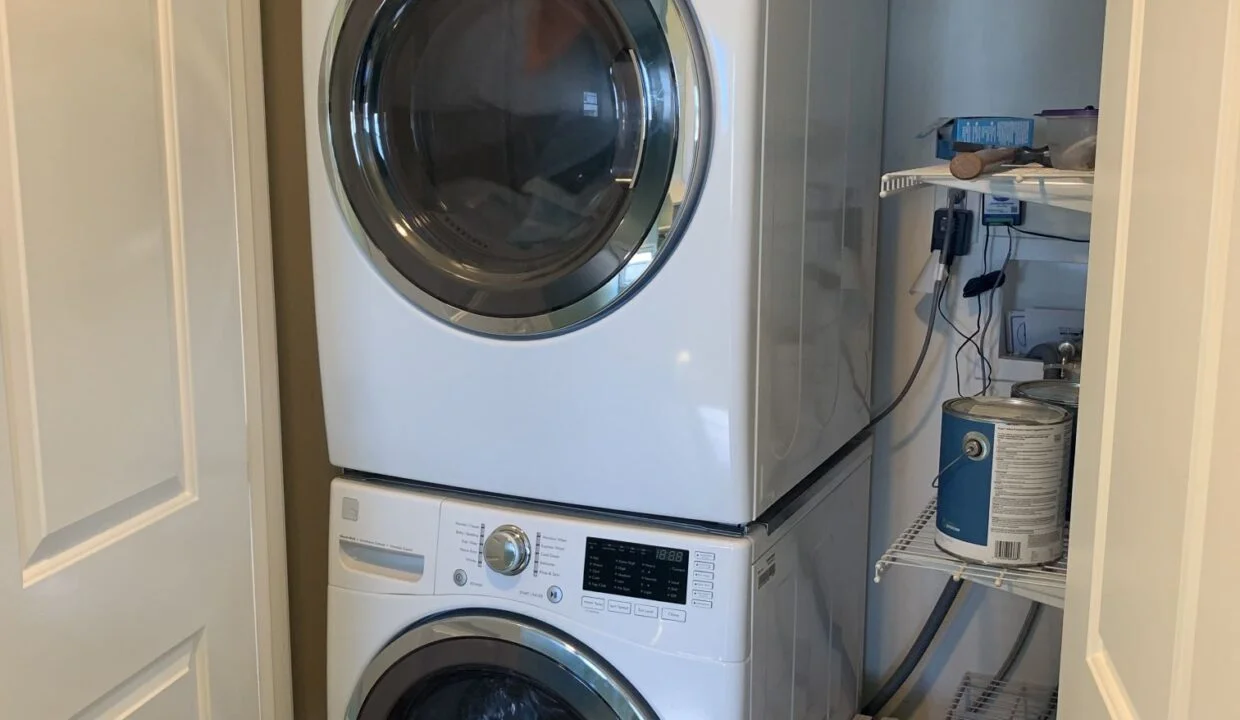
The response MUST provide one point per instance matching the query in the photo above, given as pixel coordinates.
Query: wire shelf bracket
(980, 697)
(915, 547)
(1070, 189)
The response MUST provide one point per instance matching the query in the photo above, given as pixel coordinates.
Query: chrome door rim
(604, 300)
(577, 660)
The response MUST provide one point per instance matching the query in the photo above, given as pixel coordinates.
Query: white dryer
(443, 608)
(568, 247)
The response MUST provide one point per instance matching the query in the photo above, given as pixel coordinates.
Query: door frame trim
(262, 388)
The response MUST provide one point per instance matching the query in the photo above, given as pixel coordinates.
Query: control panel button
(621, 607)
(703, 576)
(701, 585)
(707, 566)
(709, 556)
(593, 604)
(646, 611)
(460, 578)
(703, 603)
(555, 594)
(703, 595)
(673, 614)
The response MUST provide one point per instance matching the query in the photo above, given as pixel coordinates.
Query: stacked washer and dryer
(594, 288)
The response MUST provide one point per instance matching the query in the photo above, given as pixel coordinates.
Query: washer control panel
(635, 570)
(644, 581)
(702, 579)
(681, 592)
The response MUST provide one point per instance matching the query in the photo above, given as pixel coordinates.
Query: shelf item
(915, 548)
(980, 698)
(1071, 189)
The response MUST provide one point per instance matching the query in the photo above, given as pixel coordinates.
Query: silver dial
(507, 550)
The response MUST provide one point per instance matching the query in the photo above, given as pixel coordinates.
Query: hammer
(970, 165)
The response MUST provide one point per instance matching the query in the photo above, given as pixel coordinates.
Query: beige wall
(307, 472)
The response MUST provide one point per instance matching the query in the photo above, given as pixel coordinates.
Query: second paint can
(1002, 481)
(1061, 393)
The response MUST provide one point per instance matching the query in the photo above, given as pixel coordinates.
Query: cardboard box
(1031, 327)
(979, 130)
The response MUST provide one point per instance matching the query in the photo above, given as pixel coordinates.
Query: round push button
(460, 578)
(555, 594)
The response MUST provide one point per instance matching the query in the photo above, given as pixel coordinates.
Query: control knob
(507, 550)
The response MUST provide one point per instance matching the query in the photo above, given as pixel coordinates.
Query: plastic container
(1072, 136)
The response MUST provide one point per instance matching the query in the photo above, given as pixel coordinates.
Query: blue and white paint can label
(1002, 487)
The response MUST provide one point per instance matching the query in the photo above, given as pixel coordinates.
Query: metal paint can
(1002, 480)
(1061, 393)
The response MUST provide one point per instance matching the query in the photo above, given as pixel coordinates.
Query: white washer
(593, 619)
(563, 247)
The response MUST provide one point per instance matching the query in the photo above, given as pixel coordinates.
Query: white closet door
(1151, 629)
(127, 583)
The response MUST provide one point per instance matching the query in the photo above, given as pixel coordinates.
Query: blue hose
(933, 623)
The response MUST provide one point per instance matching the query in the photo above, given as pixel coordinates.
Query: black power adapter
(959, 223)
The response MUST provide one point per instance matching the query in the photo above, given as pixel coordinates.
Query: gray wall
(948, 58)
(307, 473)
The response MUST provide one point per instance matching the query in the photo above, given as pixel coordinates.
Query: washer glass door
(515, 166)
(483, 694)
(492, 666)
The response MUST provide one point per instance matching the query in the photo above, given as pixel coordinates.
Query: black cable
(987, 369)
(901, 675)
(988, 379)
(941, 287)
(970, 339)
(1009, 663)
(1050, 236)
(967, 340)
(984, 327)
(977, 321)
(990, 303)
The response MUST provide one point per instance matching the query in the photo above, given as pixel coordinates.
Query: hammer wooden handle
(967, 166)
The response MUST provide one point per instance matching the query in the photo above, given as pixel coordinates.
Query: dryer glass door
(491, 667)
(515, 166)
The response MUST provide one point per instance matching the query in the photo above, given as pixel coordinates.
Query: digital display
(638, 571)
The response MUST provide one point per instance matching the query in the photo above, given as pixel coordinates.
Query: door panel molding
(1100, 663)
(185, 663)
(1150, 465)
(48, 547)
(53, 535)
(1203, 467)
(197, 66)
(61, 548)
(1110, 685)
